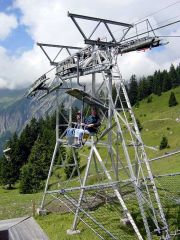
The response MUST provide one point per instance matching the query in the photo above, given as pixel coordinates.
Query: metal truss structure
(118, 156)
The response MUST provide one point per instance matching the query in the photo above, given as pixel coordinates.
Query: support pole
(146, 161)
(82, 191)
(49, 174)
(119, 196)
(54, 153)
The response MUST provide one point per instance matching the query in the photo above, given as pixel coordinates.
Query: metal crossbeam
(106, 23)
(72, 15)
(57, 46)
(87, 187)
(52, 62)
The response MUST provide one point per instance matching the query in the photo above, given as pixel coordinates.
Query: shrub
(149, 99)
(172, 100)
(139, 124)
(163, 143)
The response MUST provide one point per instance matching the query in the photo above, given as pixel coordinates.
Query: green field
(158, 120)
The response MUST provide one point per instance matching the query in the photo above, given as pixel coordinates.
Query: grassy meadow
(158, 120)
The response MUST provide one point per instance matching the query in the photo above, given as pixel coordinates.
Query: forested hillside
(159, 82)
(30, 152)
(26, 165)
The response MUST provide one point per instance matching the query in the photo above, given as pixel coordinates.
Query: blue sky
(25, 22)
(4, 4)
(18, 40)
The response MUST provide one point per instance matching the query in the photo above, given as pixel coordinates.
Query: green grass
(14, 204)
(157, 120)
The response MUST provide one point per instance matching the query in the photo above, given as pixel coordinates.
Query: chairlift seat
(87, 98)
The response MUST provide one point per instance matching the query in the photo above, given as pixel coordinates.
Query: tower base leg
(41, 212)
(73, 232)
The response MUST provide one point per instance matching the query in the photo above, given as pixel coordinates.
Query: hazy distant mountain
(16, 111)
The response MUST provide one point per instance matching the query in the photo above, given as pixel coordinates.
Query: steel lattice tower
(126, 159)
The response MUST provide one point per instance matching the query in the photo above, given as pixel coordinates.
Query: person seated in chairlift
(91, 124)
(76, 125)
(89, 127)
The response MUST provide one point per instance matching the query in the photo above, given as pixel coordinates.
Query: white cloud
(46, 21)
(136, 63)
(21, 72)
(7, 23)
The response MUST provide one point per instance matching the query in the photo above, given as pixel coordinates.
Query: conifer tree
(166, 85)
(163, 143)
(172, 100)
(143, 89)
(7, 172)
(157, 83)
(133, 90)
(37, 167)
(139, 124)
(26, 179)
(27, 139)
(173, 76)
(10, 167)
(178, 74)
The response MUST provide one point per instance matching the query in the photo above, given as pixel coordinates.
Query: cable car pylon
(110, 152)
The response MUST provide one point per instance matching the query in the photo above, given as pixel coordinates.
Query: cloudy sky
(25, 22)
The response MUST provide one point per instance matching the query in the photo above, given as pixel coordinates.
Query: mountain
(16, 111)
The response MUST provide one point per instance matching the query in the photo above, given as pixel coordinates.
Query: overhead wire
(157, 24)
(154, 13)
(169, 24)
(151, 14)
(169, 36)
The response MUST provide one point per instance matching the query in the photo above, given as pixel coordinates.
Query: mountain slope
(16, 111)
(157, 120)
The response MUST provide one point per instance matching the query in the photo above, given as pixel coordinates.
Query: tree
(173, 76)
(163, 143)
(157, 83)
(172, 100)
(36, 170)
(178, 74)
(166, 85)
(26, 179)
(149, 99)
(27, 139)
(7, 173)
(143, 89)
(133, 90)
(150, 80)
(139, 124)
(10, 167)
